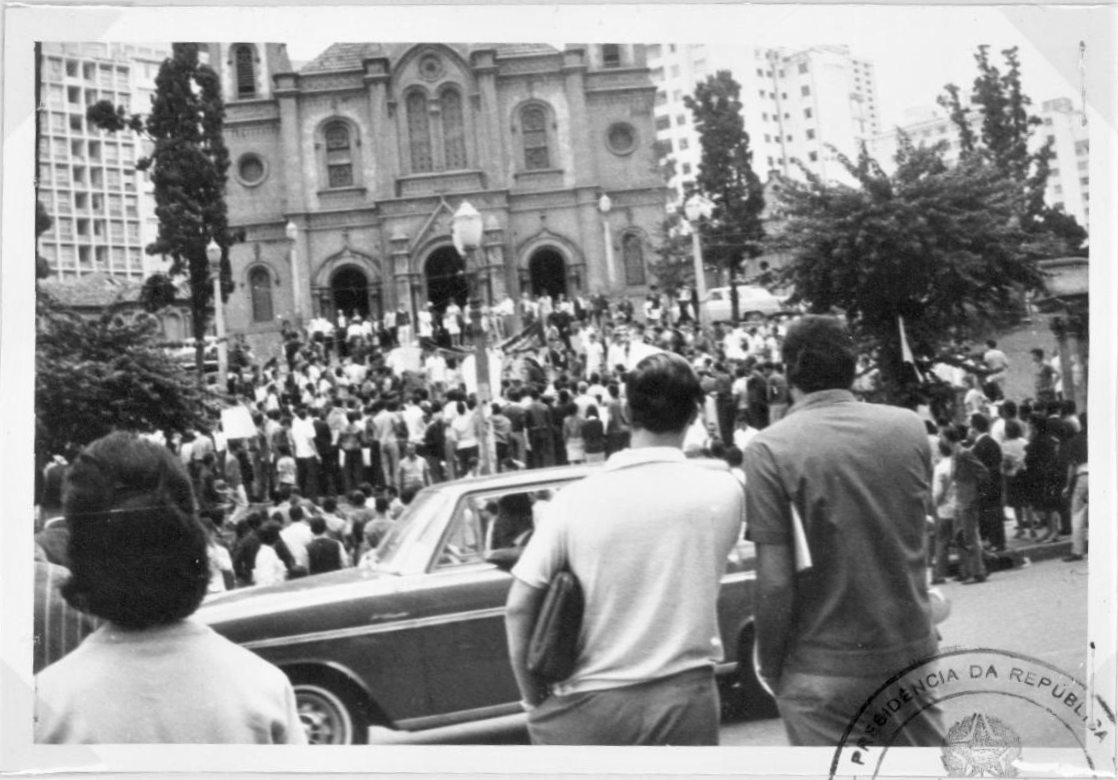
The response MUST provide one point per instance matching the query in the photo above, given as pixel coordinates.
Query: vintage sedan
(418, 641)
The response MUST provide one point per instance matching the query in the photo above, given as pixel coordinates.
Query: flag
(906, 350)
(531, 338)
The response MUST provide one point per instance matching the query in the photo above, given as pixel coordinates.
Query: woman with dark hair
(150, 674)
(593, 436)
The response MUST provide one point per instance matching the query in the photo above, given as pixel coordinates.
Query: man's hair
(380, 504)
(980, 422)
(137, 550)
(819, 354)
(296, 514)
(1037, 352)
(329, 504)
(1013, 429)
(991, 343)
(318, 525)
(663, 393)
(1008, 409)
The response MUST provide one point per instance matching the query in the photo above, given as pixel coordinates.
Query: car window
(716, 295)
(491, 520)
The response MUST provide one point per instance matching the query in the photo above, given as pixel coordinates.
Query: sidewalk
(1018, 552)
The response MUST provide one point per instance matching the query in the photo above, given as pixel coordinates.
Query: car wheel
(330, 714)
(742, 694)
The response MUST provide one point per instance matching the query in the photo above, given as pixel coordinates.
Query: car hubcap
(324, 716)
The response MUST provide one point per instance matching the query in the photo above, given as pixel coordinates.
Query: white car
(753, 303)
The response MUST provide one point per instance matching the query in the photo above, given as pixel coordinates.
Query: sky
(916, 50)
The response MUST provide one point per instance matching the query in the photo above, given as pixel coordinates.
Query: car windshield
(397, 552)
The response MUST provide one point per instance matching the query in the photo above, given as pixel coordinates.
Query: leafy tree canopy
(94, 376)
(942, 247)
(188, 167)
(1004, 140)
(726, 174)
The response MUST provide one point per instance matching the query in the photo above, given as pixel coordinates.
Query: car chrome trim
(458, 716)
(378, 628)
(739, 576)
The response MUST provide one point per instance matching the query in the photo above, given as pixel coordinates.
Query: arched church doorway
(547, 273)
(349, 289)
(446, 278)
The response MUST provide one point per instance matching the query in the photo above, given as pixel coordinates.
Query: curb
(1018, 557)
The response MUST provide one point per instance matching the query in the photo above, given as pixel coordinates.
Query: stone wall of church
(389, 223)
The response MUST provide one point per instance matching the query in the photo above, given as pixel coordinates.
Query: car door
(468, 671)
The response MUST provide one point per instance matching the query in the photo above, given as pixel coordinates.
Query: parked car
(753, 303)
(418, 642)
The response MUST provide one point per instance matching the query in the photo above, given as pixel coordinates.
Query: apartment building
(794, 102)
(1068, 179)
(103, 209)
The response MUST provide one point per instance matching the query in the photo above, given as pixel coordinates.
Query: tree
(96, 376)
(726, 176)
(671, 264)
(189, 168)
(941, 247)
(1007, 127)
(43, 222)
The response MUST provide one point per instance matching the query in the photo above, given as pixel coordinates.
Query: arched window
(419, 133)
(339, 155)
(260, 285)
(454, 131)
(245, 63)
(533, 128)
(172, 327)
(632, 251)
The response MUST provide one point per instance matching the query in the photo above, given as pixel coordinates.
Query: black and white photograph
(727, 385)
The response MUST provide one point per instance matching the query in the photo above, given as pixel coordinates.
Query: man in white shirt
(645, 668)
(594, 354)
(297, 536)
(305, 452)
(413, 418)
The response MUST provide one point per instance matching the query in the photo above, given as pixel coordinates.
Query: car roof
(512, 479)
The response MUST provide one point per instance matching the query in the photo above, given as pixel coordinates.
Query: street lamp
(604, 206)
(213, 255)
(696, 208)
(291, 230)
(466, 233)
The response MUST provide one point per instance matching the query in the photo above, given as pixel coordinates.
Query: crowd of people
(345, 432)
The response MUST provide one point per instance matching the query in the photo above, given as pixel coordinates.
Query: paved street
(1038, 610)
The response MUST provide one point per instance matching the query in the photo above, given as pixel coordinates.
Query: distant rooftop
(348, 56)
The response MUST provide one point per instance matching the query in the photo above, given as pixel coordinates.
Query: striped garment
(59, 628)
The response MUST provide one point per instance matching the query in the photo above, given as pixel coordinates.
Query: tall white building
(103, 209)
(794, 103)
(1068, 181)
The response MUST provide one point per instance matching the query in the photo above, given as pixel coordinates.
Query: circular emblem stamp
(1003, 714)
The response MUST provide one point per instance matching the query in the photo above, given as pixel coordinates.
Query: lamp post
(466, 232)
(292, 232)
(604, 206)
(213, 255)
(698, 207)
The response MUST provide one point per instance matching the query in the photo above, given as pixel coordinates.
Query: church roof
(348, 56)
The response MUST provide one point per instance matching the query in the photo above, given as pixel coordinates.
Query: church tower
(247, 68)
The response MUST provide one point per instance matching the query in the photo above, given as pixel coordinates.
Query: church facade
(346, 174)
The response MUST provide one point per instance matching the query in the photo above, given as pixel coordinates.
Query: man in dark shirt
(855, 476)
(518, 418)
(1075, 453)
(539, 432)
(323, 553)
(991, 510)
